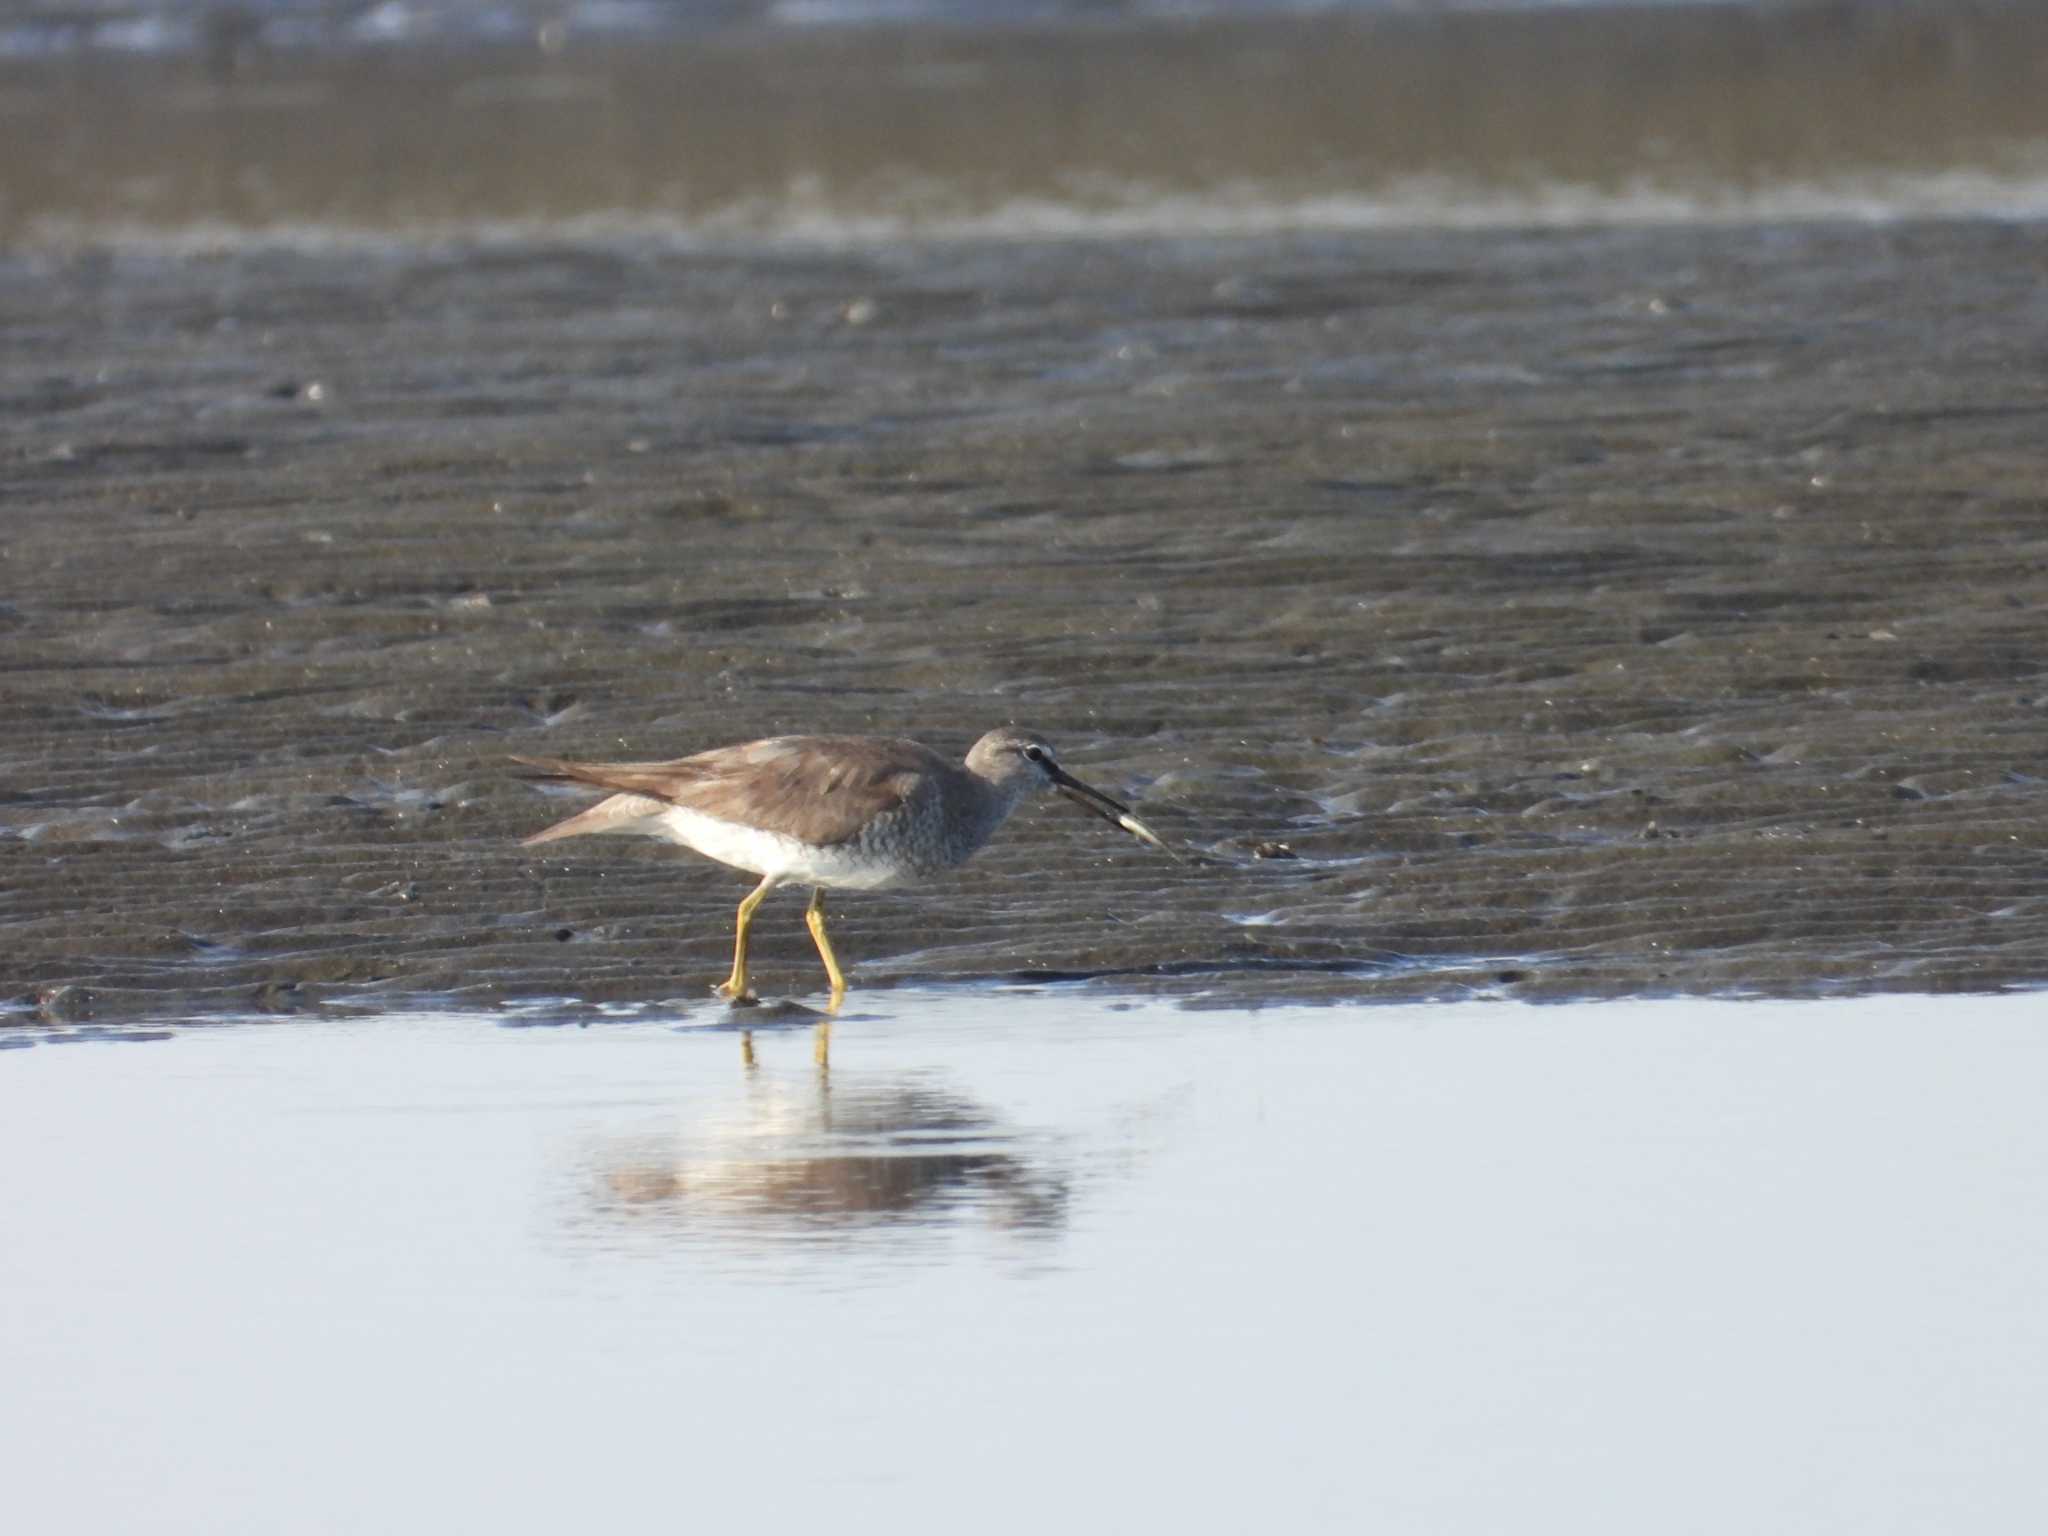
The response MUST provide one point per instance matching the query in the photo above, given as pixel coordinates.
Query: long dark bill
(1094, 800)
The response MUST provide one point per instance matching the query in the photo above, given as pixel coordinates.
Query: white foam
(804, 214)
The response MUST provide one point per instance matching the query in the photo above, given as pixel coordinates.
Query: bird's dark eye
(1034, 754)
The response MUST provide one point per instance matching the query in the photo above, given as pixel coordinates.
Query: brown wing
(819, 789)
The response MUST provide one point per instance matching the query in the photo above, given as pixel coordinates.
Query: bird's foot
(739, 994)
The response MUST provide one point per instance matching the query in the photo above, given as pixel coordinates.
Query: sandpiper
(858, 812)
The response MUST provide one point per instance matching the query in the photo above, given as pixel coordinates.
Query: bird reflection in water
(821, 1153)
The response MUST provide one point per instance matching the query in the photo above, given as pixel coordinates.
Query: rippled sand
(1588, 612)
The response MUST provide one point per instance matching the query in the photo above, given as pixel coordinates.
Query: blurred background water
(815, 117)
(187, 25)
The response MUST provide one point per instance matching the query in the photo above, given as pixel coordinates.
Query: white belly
(769, 853)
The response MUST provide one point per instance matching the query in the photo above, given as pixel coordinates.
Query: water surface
(1004, 119)
(1027, 1258)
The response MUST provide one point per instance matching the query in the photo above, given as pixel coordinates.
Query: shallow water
(1102, 119)
(1024, 1257)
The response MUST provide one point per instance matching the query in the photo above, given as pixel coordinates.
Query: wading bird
(829, 812)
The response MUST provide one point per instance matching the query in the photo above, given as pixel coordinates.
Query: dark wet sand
(1592, 613)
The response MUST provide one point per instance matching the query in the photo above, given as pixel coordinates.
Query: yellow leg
(815, 917)
(821, 1043)
(735, 986)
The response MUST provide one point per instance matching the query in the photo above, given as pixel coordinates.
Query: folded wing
(821, 790)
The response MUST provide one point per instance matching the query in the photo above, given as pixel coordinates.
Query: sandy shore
(1591, 613)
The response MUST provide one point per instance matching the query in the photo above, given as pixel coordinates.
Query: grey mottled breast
(941, 821)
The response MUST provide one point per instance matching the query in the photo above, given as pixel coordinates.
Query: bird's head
(1023, 762)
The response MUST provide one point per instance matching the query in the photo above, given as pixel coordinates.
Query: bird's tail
(617, 812)
(552, 770)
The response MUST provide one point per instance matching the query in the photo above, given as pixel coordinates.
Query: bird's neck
(998, 798)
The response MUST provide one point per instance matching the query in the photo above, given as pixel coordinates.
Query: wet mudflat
(1587, 611)
(1414, 1268)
